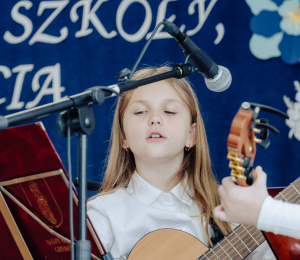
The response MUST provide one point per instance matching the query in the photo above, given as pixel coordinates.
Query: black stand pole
(82, 122)
(82, 246)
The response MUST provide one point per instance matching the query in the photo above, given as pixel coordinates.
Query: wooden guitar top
(167, 244)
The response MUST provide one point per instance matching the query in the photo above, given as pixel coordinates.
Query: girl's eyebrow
(147, 102)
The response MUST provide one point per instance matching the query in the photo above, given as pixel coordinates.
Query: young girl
(159, 171)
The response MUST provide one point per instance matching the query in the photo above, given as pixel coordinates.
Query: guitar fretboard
(244, 239)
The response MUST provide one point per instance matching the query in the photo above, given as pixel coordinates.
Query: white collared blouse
(122, 218)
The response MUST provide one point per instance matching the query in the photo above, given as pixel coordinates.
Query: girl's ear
(125, 144)
(191, 141)
(124, 141)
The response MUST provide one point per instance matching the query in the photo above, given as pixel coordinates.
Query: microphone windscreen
(221, 81)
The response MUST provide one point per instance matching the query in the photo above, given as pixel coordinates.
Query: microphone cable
(145, 48)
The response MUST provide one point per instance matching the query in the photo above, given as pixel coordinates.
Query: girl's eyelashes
(170, 113)
(143, 112)
(140, 112)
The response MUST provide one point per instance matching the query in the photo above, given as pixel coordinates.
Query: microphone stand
(82, 121)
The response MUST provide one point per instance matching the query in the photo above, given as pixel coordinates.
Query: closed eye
(170, 113)
(140, 112)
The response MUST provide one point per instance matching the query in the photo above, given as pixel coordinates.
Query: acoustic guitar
(172, 244)
(241, 152)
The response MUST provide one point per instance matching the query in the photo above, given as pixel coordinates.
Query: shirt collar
(181, 194)
(145, 193)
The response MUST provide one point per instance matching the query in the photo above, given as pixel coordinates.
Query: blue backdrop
(51, 49)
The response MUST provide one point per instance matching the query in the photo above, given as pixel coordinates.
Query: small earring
(127, 149)
(187, 148)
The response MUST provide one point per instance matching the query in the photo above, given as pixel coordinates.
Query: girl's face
(157, 123)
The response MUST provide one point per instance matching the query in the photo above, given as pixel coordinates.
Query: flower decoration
(294, 113)
(276, 29)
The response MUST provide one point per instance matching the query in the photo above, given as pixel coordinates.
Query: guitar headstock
(242, 140)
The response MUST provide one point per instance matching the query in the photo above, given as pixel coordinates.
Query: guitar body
(167, 244)
(285, 248)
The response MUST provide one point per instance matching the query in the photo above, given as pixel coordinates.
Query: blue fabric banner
(53, 49)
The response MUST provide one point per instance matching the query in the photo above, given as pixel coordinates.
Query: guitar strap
(218, 235)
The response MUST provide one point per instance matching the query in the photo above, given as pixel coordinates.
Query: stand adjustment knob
(124, 74)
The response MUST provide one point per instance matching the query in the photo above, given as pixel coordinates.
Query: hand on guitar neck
(244, 195)
(242, 204)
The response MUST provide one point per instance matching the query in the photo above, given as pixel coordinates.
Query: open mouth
(155, 136)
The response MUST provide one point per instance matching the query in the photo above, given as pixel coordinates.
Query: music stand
(34, 200)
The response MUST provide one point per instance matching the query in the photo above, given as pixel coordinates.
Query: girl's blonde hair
(196, 164)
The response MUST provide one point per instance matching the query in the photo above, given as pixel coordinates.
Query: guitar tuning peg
(264, 134)
(258, 123)
(256, 130)
(265, 143)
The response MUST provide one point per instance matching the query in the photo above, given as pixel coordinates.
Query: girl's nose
(153, 122)
(155, 119)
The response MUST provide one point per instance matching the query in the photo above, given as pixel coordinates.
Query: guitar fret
(202, 257)
(277, 197)
(244, 239)
(214, 253)
(248, 236)
(233, 247)
(283, 196)
(238, 243)
(256, 234)
(286, 192)
(225, 245)
(293, 196)
(224, 251)
(210, 255)
(296, 183)
(295, 188)
(247, 239)
(241, 241)
(253, 243)
(296, 200)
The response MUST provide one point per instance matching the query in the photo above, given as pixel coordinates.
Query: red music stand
(34, 200)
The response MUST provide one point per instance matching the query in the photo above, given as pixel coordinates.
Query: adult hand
(242, 204)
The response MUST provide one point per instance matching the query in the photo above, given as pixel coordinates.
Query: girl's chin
(157, 155)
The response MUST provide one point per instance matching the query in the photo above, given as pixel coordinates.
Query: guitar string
(224, 251)
(247, 232)
(214, 253)
(284, 197)
(295, 188)
(233, 247)
(258, 230)
(227, 251)
(253, 236)
(237, 240)
(292, 184)
(243, 237)
(288, 190)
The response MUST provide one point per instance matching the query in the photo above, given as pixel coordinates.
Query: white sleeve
(101, 223)
(280, 218)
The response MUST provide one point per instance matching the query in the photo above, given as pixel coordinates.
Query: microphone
(217, 78)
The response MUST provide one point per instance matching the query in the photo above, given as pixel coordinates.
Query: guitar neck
(244, 239)
(291, 193)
